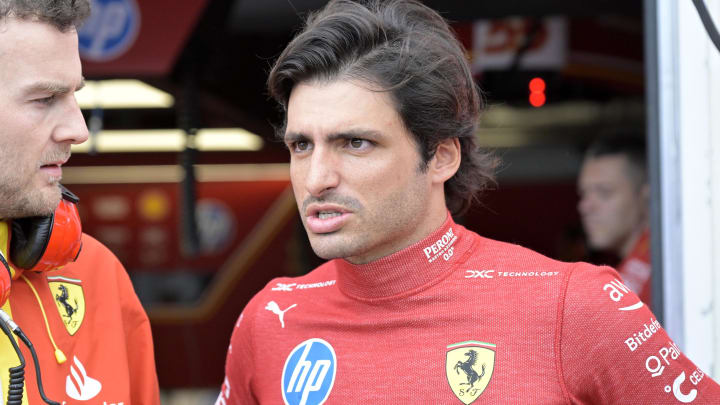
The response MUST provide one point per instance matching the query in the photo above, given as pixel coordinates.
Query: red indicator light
(537, 92)
(537, 99)
(537, 85)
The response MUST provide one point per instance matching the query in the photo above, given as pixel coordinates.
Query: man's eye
(357, 143)
(45, 100)
(604, 193)
(301, 146)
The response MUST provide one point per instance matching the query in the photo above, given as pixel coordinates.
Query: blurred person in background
(614, 204)
(61, 291)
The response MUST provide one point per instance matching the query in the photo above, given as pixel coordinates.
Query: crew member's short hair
(628, 144)
(406, 49)
(63, 14)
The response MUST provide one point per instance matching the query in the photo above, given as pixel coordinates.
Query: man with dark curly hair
(381, 113)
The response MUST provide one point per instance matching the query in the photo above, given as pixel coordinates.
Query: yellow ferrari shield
(70, 301)
(469, 368)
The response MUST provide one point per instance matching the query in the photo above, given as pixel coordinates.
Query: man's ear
(645, 194)
(446, 161)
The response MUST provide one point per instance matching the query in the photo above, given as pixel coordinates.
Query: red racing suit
(95, 319)
(635, 268)
(454, 319)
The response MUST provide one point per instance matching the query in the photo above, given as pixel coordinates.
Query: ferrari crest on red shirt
(469, 367)
(70, 301)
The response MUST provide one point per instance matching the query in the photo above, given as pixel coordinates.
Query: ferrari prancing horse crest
(469, 368)
(70, 301)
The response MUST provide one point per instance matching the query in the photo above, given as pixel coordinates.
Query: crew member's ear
(645, 193)
(645, 199)
(446, 161)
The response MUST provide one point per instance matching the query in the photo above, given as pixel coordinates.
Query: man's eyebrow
(52, 87)
(369, 134)
(292, 137)
(46, 87)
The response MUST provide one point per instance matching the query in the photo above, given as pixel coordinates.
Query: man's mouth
(322, 220)
(53, 170)
(328, 214)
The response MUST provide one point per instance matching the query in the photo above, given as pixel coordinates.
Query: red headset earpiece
(47, 243)
(5, 280)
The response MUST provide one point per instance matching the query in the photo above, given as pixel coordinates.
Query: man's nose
(323, 173)
(72, 127)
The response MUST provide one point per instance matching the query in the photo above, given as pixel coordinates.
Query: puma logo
(273, 307)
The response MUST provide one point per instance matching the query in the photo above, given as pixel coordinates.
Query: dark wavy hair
(408, 50)
(63, 14)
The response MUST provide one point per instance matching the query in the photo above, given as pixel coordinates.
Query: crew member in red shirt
(60, 291)
(381, 113)
(614, 198)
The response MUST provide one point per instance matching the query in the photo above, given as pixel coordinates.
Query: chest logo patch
(469, 368)
(70, 301)
(78, 385)
(617, 290)
(309, 373)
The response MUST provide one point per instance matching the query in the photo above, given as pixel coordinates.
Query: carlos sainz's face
(39, 118)
(355, 171)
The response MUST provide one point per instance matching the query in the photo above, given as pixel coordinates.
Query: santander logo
(78, 385)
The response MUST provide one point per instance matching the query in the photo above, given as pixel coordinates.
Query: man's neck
(632, 240)
(421, 234)
(409, 268)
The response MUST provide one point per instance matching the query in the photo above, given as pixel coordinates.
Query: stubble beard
(329, 249)
(19, 199)
(604, 240)
(19, 196)
(336, 244)
(383, 231)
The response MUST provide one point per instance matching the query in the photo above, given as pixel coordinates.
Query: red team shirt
(97, 321)
(635, 268)
(456, 318)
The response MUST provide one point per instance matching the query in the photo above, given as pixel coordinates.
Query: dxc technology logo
(309, 373)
